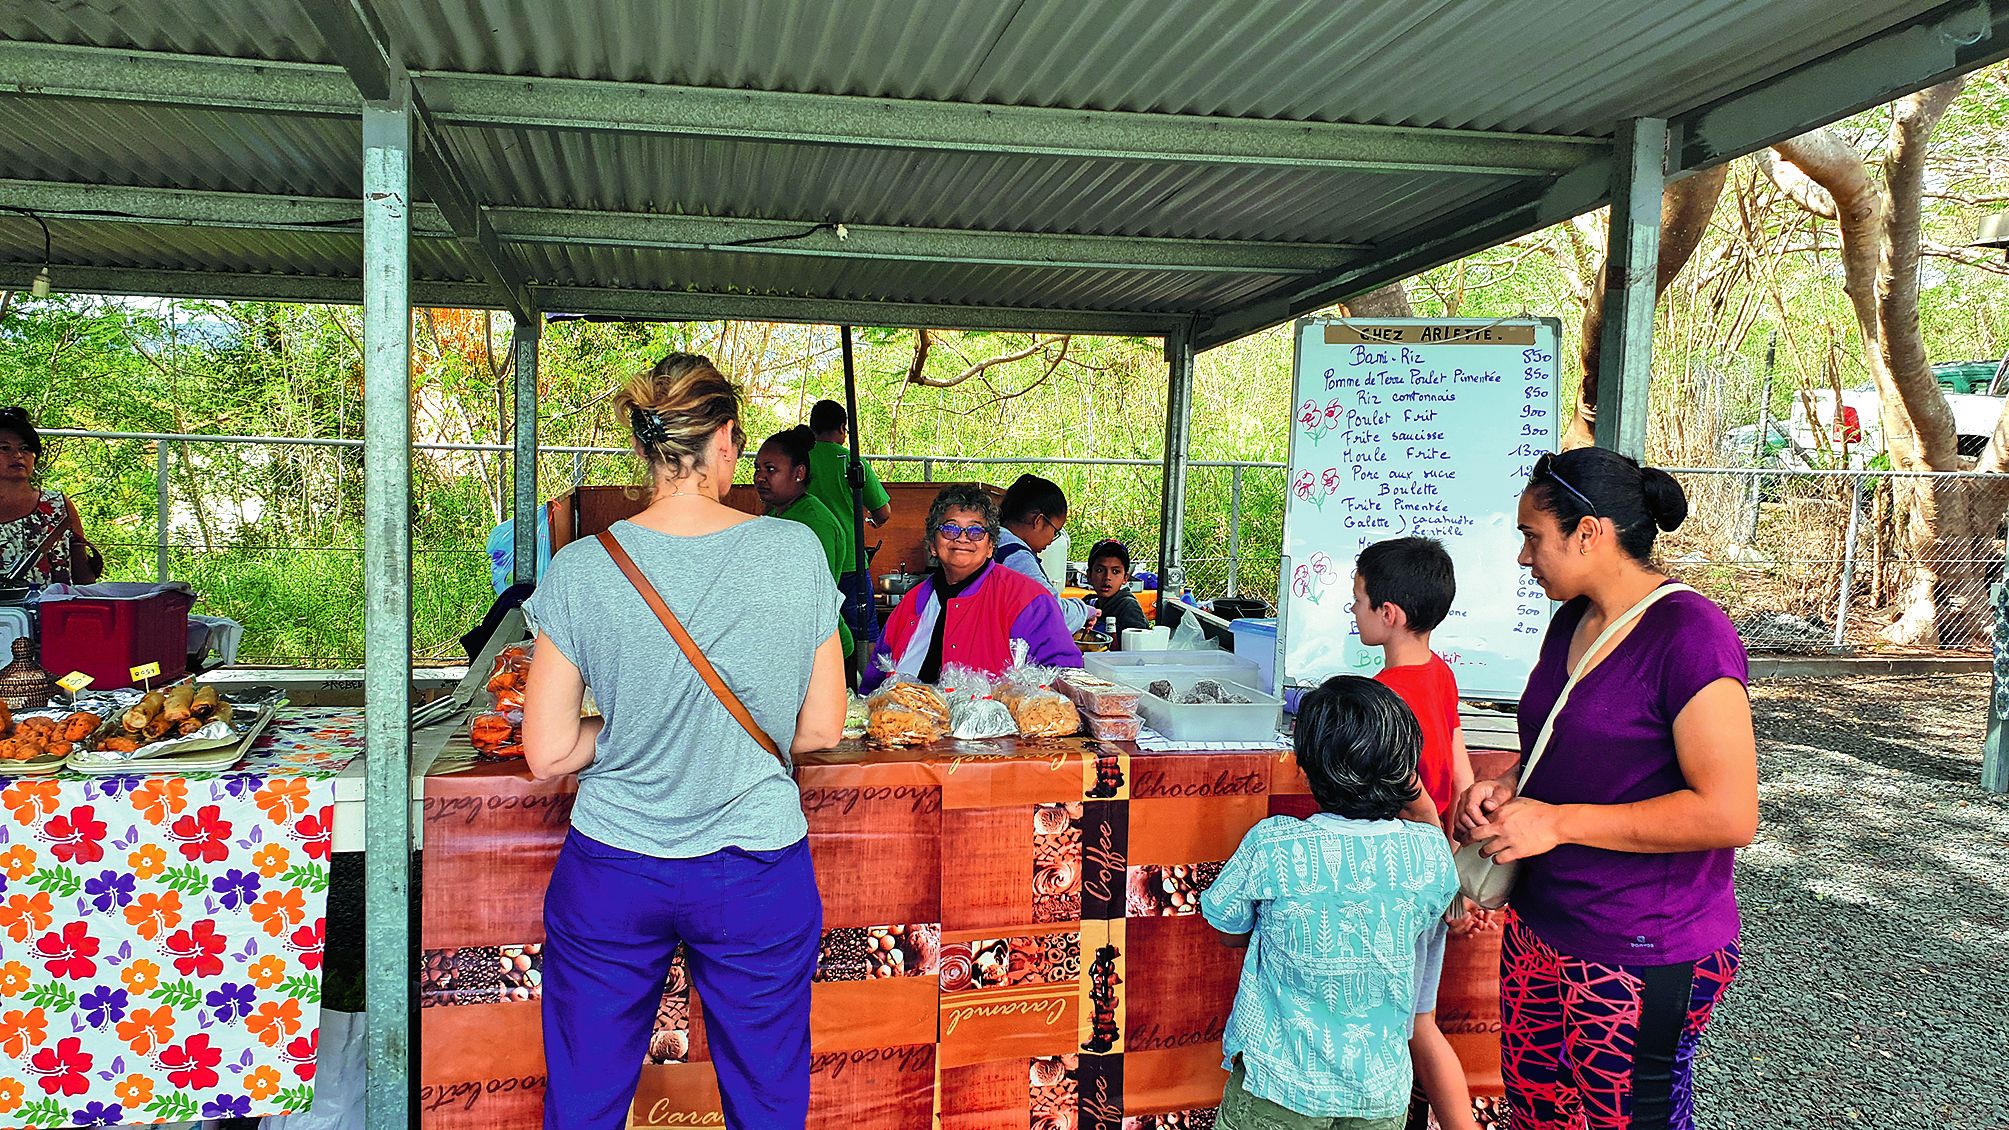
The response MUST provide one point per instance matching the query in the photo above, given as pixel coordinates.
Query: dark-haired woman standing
(1623, 933)
(31, 517)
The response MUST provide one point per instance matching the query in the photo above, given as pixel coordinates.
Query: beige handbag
(1479, 878)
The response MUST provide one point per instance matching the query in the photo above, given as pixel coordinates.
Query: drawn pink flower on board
(1301, 581)
(1310, 415)
(1304, 484)
(1331, 480)
(1321, 565)
(1335, 414)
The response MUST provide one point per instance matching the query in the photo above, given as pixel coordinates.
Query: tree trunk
(1685, 209)
(1391, 301)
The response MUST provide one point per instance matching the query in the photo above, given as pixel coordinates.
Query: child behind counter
(1332, 909)
(1402, 590)
(1109, 577)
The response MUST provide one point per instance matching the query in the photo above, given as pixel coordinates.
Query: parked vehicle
(1976, 391)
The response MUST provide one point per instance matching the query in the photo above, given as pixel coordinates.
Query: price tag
(75, 682)
(146, 671)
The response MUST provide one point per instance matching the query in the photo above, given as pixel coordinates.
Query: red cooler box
(105, 637)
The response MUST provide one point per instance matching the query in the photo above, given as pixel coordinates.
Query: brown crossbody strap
(689, 647)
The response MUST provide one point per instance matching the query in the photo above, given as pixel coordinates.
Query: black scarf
(931, 667)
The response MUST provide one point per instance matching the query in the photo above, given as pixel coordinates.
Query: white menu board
(1424, 428)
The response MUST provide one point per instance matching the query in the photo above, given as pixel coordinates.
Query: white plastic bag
(973, 714)
(338, 1078)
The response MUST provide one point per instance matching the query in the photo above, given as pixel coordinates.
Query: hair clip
(649, 429)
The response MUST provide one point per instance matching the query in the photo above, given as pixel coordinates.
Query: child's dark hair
(1357, 742)
(1029, 495)
(796, 443)
(826, 416)
(1414, 574)
(1596, 482)
(1110, 547)
(16, 422)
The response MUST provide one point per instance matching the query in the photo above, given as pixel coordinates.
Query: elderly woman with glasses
(968, 611)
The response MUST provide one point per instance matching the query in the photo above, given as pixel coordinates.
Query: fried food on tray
(159, 728)
(6, 719)
(205, 702)
(188, 726)
(59, 748)
(41, 731)
(144, 712)
(179, 700)
(80, 725)
(10, 750)
(118, 745)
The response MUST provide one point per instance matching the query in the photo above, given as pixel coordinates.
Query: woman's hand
(1520, 828)
(1478, 804)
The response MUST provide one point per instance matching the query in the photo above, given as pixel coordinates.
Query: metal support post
(1631, 269)
(1178, 443)
(387, 606)
(1994, 758)
(1235, 534)
(927, 470)
(1849, 560)
(163, 498)
(524, 509)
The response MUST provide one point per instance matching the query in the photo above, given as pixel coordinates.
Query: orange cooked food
(119, 745)
(80, 725)
(491, 732)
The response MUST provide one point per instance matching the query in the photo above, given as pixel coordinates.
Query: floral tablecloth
(161, 936)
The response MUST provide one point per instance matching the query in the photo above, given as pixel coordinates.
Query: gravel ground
(1876, 905)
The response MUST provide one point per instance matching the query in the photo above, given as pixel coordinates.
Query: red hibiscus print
(1304, 484)
(192, 1065)
(308, 942)
(64, 1068)
(68, 955)
(77, 836)
(203, 837)
(315, 833)
(196, 950)
(301, 1054)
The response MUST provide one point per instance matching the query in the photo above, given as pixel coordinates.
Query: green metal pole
(1178, 442)
(524, 474)
(387, 607)
(1631, 267)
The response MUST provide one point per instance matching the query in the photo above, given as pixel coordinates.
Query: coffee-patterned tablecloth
(161, 936)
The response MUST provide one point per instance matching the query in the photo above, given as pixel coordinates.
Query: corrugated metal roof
(1550, 67)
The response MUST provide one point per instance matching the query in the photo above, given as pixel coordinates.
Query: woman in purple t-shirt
(1623, 933)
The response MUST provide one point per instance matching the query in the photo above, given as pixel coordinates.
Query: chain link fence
(1845, 561)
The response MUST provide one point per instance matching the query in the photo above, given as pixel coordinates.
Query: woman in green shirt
(781, 477)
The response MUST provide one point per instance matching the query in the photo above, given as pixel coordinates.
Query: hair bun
(16, 412)
(1666, 502)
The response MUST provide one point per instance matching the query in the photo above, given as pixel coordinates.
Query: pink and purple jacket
(998, 607)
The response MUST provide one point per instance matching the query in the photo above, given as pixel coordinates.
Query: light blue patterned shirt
(1334, 908)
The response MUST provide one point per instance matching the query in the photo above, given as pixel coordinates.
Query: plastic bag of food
(857, 716)
(974, 715)
(1113, 728)
(1039, 710)
(904, 711)
(497, 735)
(1095, 695)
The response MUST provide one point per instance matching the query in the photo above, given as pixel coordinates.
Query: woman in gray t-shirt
(685, 829)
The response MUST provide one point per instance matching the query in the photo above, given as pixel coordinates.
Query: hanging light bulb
(42, 284)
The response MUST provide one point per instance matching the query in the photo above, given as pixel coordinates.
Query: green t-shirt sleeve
(875, 491)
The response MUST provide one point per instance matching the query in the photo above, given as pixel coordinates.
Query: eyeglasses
(952, 532)
(1546, 466)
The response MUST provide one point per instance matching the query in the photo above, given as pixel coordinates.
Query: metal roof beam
(358, 39)
(585, 104)
(667, 305)
(964, 127)
(132, 204)
(1947, 41)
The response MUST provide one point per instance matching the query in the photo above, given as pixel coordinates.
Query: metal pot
(900, 584)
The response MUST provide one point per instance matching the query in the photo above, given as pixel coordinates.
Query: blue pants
(858, 610)
(749, 921)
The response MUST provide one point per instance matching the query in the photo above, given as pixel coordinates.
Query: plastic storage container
(105, 637)
(1255, 721)
(1256, 641)
(1130, 666)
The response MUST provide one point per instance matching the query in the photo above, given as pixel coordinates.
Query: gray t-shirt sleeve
(549, 607)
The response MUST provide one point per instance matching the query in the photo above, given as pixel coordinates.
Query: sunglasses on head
(952, 532)
(1546, 465)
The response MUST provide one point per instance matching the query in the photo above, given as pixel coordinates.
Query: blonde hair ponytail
(673, 409)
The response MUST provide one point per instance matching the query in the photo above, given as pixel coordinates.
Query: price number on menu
(75, 682)
(146, 671)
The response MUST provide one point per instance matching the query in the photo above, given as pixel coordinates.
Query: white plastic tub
(1256, 641)
(1130, 666)
(1255, 721)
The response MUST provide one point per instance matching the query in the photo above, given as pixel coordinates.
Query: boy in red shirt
(1402, 590)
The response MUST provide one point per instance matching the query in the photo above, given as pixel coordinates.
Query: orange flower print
(141, 977)
(262, 1083)
(153, 914)
(149, 861)
(10, 1094)
(28, 799)
(23, 916)
(278, 910)
(282, 798)
(20, 1031)
(18, 862)
(134, 1091)
(267, 971)
(160, 798)
(274, 1022)
(272, 860)
(147, 1029)
(14, 979)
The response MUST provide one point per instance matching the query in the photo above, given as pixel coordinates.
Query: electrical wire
(47, 243)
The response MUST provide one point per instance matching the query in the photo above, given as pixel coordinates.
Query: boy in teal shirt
(1332, 908)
